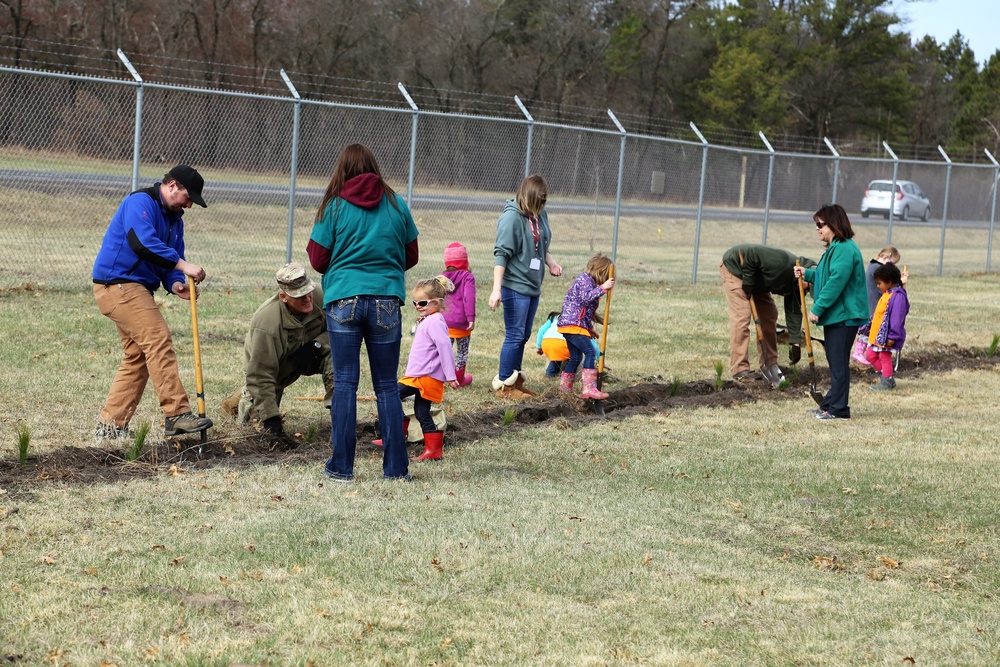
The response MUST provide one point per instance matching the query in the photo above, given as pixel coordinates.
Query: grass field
(744, 534)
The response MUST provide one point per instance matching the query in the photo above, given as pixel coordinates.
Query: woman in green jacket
(840, 303)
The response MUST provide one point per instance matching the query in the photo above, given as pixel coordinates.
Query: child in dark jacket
(576, 324)
(886, 330)
(460, 307)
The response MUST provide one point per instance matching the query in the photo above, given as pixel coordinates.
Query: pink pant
(880, 361)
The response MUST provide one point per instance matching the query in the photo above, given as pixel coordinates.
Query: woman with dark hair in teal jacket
(840, 303)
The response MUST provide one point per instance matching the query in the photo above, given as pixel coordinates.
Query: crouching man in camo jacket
(287, 339)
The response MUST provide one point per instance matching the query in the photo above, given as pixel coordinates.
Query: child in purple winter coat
(886, 330)
(460, 307)
(431, 364)
(576, 324)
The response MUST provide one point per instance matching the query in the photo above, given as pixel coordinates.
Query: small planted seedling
(508, 417)
(23, 440)
(675, 386)
(310, 434)
(784, 384)
(992, 350)
(138, 441)
(718, 375)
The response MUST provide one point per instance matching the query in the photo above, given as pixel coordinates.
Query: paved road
(254, 193)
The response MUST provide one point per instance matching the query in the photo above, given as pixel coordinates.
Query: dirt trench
(86, 465)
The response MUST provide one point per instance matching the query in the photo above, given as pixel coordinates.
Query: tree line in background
(798, 70)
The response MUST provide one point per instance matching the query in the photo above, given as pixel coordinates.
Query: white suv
(910, 200)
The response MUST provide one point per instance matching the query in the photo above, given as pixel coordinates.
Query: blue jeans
(838, 343)
(376, 320)
(580, 347)
(518, 316)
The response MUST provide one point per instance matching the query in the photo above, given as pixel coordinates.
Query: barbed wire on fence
(41, 55)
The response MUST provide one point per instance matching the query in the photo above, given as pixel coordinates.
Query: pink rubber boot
(590, 385)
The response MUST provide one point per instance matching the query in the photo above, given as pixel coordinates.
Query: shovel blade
(773, 375)
(816, 396)
(599, 404)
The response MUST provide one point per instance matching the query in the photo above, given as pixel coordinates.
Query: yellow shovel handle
(604, 326)
(199, 385)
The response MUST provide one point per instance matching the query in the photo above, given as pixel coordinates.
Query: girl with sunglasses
(431, 363)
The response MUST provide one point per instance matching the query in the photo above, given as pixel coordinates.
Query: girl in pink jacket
(460, 307)
(431, 363)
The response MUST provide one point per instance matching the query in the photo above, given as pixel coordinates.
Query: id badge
(535, 264)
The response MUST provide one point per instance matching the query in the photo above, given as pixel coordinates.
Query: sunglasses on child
(423, 304)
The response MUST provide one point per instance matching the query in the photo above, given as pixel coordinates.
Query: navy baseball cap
(192, 182)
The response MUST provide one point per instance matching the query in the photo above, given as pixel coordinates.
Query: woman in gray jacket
(521, 252)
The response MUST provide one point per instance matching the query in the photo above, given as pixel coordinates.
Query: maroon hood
(364, 190)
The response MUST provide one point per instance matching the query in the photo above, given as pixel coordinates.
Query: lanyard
(536, 232)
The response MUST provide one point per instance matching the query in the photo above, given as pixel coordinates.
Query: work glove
(748, 290)
(795, 353)
(305, 357)
(272, 426)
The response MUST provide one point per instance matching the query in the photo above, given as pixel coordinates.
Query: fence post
(701, 200)
(137, 141)
(618, 194)
(413, 144)
(295, 163)
(770, 175)
(892, 193)
(944, 211)
(531, 132)
(993, 209)
(836, 169)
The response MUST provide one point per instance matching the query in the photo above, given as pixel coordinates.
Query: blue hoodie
(143, 243)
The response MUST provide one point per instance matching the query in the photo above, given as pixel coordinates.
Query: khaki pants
(741, 322)
(148, 352)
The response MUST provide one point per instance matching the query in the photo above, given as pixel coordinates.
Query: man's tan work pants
(148, 353)
(741, 322)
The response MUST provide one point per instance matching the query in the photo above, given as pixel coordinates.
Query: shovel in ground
(198, 382)
(816, 396)
(599, 404)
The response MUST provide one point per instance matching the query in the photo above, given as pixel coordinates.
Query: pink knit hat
(456, 255)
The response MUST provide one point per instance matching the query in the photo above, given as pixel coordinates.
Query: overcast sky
(977, 20)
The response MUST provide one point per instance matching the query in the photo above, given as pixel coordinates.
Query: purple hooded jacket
(460, 305)
(894, 322)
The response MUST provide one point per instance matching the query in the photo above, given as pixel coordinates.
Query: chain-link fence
(72, 146)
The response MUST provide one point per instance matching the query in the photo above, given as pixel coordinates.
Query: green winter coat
(839, 293)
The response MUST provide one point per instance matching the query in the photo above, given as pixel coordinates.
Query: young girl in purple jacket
(576, 324)
(431, 363)
(460, 307)
(886, 330)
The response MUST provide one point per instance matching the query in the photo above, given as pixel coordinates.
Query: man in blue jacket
(143, 249)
